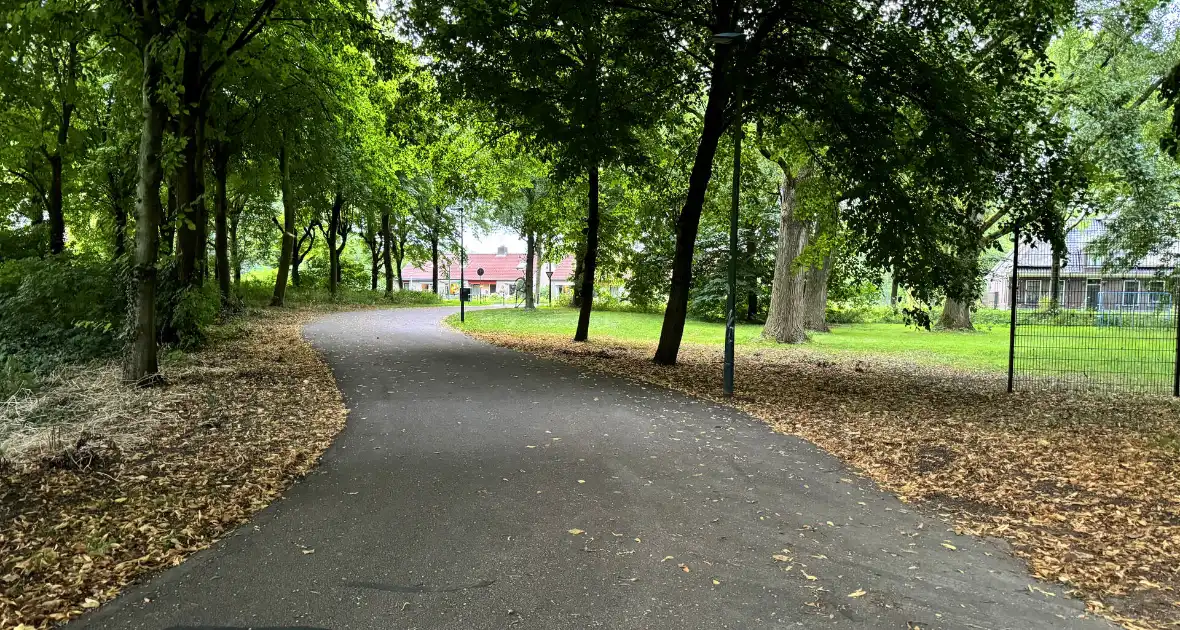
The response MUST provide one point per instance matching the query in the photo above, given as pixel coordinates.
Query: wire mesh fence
(1081, 324)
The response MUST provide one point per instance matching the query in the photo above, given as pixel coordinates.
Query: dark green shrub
(60, 308)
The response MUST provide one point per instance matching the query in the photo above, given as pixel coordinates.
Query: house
(1083, 283)
(501, 271)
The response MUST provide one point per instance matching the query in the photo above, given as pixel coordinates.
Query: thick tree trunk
(57, 222)
(287, 249)
(893, 292)
(591, 263)
(816, 296)
(387, 254)
(689, 221)
(142, 365)
(956, 314)
(784, 321)
(192, 223)
(530, 253)
(221, 222)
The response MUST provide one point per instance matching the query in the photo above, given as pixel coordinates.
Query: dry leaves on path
(159, 473)
(1085, 488)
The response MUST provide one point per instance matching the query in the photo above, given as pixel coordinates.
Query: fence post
(1012, 307)
(1176, 316)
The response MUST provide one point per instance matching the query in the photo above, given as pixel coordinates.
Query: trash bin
(465, 294)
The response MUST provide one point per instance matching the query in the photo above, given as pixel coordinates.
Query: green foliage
(194, 310)
(60, 309)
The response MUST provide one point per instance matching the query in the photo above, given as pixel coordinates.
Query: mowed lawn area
(981, 350)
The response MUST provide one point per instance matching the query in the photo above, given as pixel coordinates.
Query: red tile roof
(496, 268)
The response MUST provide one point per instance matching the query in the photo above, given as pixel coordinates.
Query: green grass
(1108, 352)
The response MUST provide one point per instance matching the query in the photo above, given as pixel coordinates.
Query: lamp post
(462, 263)
(549, 274)
(734, 41)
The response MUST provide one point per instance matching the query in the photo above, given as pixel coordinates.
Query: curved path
(450, 498)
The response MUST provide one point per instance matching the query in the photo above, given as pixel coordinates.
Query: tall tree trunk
(168, 221)
(816, 296)
(752, 293)
(118, 214)
(434, 260)
(333, 253)
(784, 320)
(536, 279)
(142, 365)
(530, 238)
(893, 291)
(387, 254)
(190, 174)
(287, 249)
(579, 274)
(689, 220)
(57, 222)
(221, 221)
(235, 255)
(1055, 281)
(590, 265)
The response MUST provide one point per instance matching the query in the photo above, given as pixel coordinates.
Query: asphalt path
(476, 487)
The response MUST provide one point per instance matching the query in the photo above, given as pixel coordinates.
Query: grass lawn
(1117, 356)
(982, 350)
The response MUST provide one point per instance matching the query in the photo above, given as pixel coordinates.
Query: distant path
(449, 499)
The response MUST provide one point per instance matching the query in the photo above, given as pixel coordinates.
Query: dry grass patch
(107, 483)
(1085, 488)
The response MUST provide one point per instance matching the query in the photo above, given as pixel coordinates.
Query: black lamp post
(734, 41)
(549, 273)
(462, 263)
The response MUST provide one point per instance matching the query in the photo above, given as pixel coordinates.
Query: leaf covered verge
(137, 479)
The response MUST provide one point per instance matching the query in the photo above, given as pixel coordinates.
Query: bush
(193, 311)
(60, 309)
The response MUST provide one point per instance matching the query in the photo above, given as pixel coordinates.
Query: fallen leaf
(857, 593)
(684, 567)
(810, 577)
(575, 531)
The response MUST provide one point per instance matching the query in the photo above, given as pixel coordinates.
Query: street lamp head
(728, 38)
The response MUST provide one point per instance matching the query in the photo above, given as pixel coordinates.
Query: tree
(860, 76)
(563, 75)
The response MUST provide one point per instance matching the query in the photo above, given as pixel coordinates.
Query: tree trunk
(956, 314)
(118, 213)
(287, 249)
(168, 221)
(531, 243)
(142, 365)
(1055, 281)
(536, 279)
(333, 253)
(590, 265)
(221, 221)
(235, 255)
(434, 261)
(579, 275)
(752, 294)
(816, 296)
(190, 181)
(387, 254)
(690, 215)
(57, 222)
(893, 292)
(784, 321)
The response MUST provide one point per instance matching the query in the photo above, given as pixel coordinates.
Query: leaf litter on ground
(1084, 487)
(166, 470)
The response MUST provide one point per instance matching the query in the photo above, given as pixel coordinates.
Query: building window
(1032, 292)
(1130, 292)
(1093, 289)
(492, 288)
(1158, 294)
(406, 285)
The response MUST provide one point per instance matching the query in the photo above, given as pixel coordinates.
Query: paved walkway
(476, 487)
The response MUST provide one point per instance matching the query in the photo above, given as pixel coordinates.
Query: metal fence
(1083, 325)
